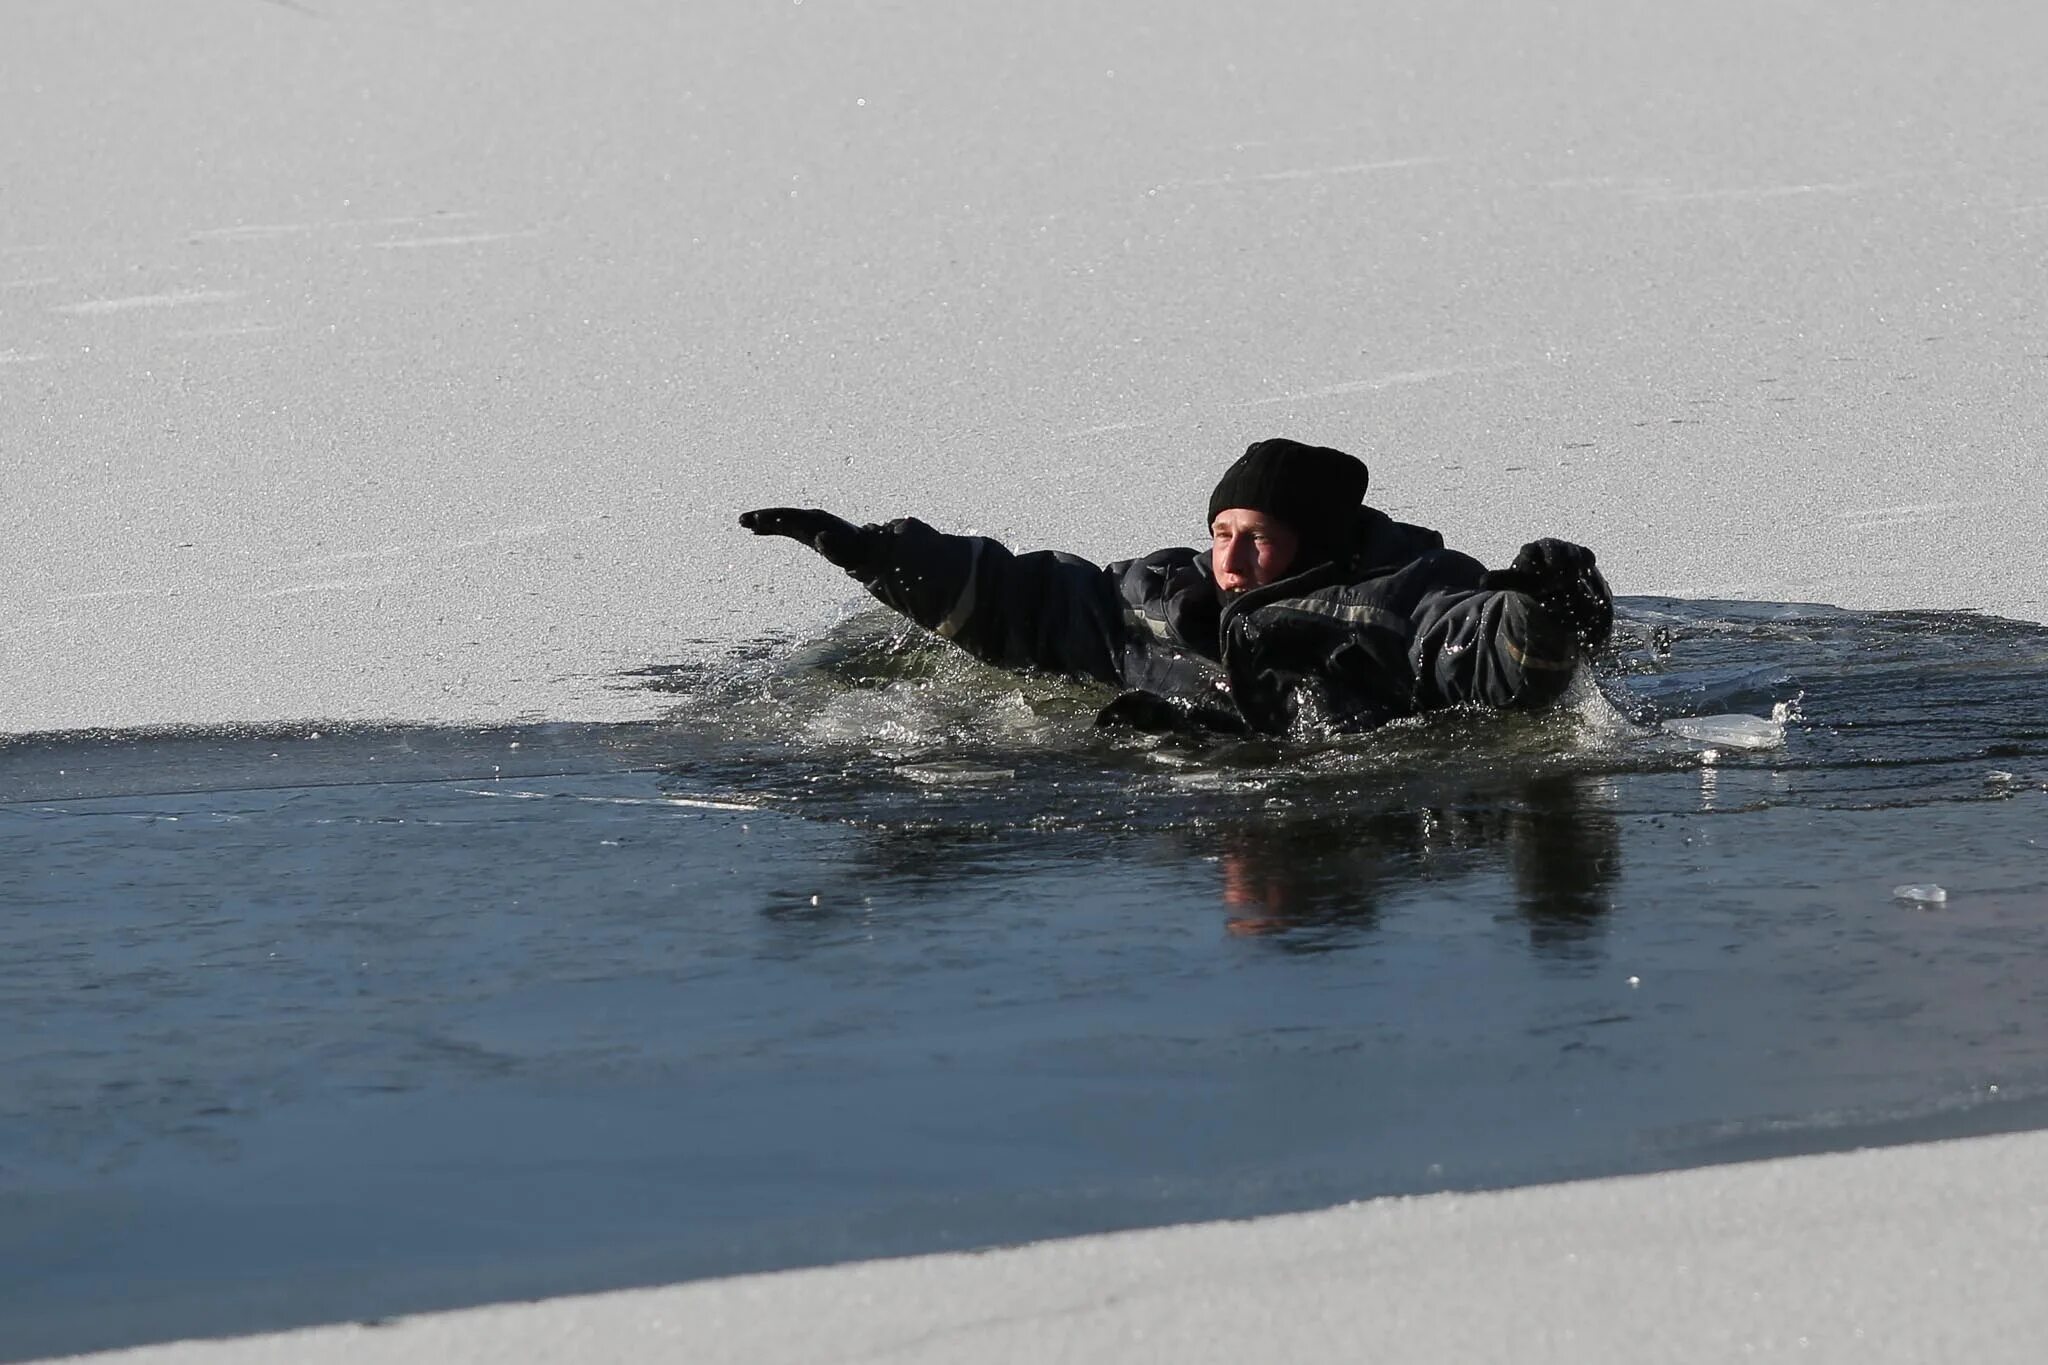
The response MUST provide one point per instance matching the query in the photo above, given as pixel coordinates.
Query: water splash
(1788, 703)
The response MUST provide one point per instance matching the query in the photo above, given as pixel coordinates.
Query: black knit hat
(1316, 490)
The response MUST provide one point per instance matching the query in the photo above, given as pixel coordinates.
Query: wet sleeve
(1491, 647)
(1044, 609)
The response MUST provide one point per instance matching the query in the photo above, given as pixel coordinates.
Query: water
(868, 950)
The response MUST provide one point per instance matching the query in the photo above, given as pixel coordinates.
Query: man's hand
(1553, 560)
(1562, 578)
(852, 548)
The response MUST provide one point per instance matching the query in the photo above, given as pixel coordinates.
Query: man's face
(1249, 549)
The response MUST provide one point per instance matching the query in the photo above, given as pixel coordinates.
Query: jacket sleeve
(1493, 647)
(1044, 609)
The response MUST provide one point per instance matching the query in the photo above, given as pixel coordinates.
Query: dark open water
(868, 950)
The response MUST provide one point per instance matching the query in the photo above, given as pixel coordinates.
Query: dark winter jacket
(1395, 626)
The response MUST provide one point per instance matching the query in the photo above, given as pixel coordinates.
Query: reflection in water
(1313, 882)
(1565, 851)
(1316, 885)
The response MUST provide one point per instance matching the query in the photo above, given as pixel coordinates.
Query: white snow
(1902, 1255)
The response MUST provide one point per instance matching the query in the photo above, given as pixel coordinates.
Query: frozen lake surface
(866, 950)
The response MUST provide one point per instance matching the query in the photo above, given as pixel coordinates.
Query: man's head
(1282, 507)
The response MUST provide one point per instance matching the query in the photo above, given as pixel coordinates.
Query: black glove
(1562, 578)
(855, 549)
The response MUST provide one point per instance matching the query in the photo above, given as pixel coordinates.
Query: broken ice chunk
(947, 772)
(1731, 731)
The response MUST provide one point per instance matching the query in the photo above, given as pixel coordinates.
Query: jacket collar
(1378, 544)
(1296, 585)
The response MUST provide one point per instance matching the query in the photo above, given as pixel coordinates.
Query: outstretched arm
(1040, 610)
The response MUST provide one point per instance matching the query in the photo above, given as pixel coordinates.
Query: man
(1308, 609)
